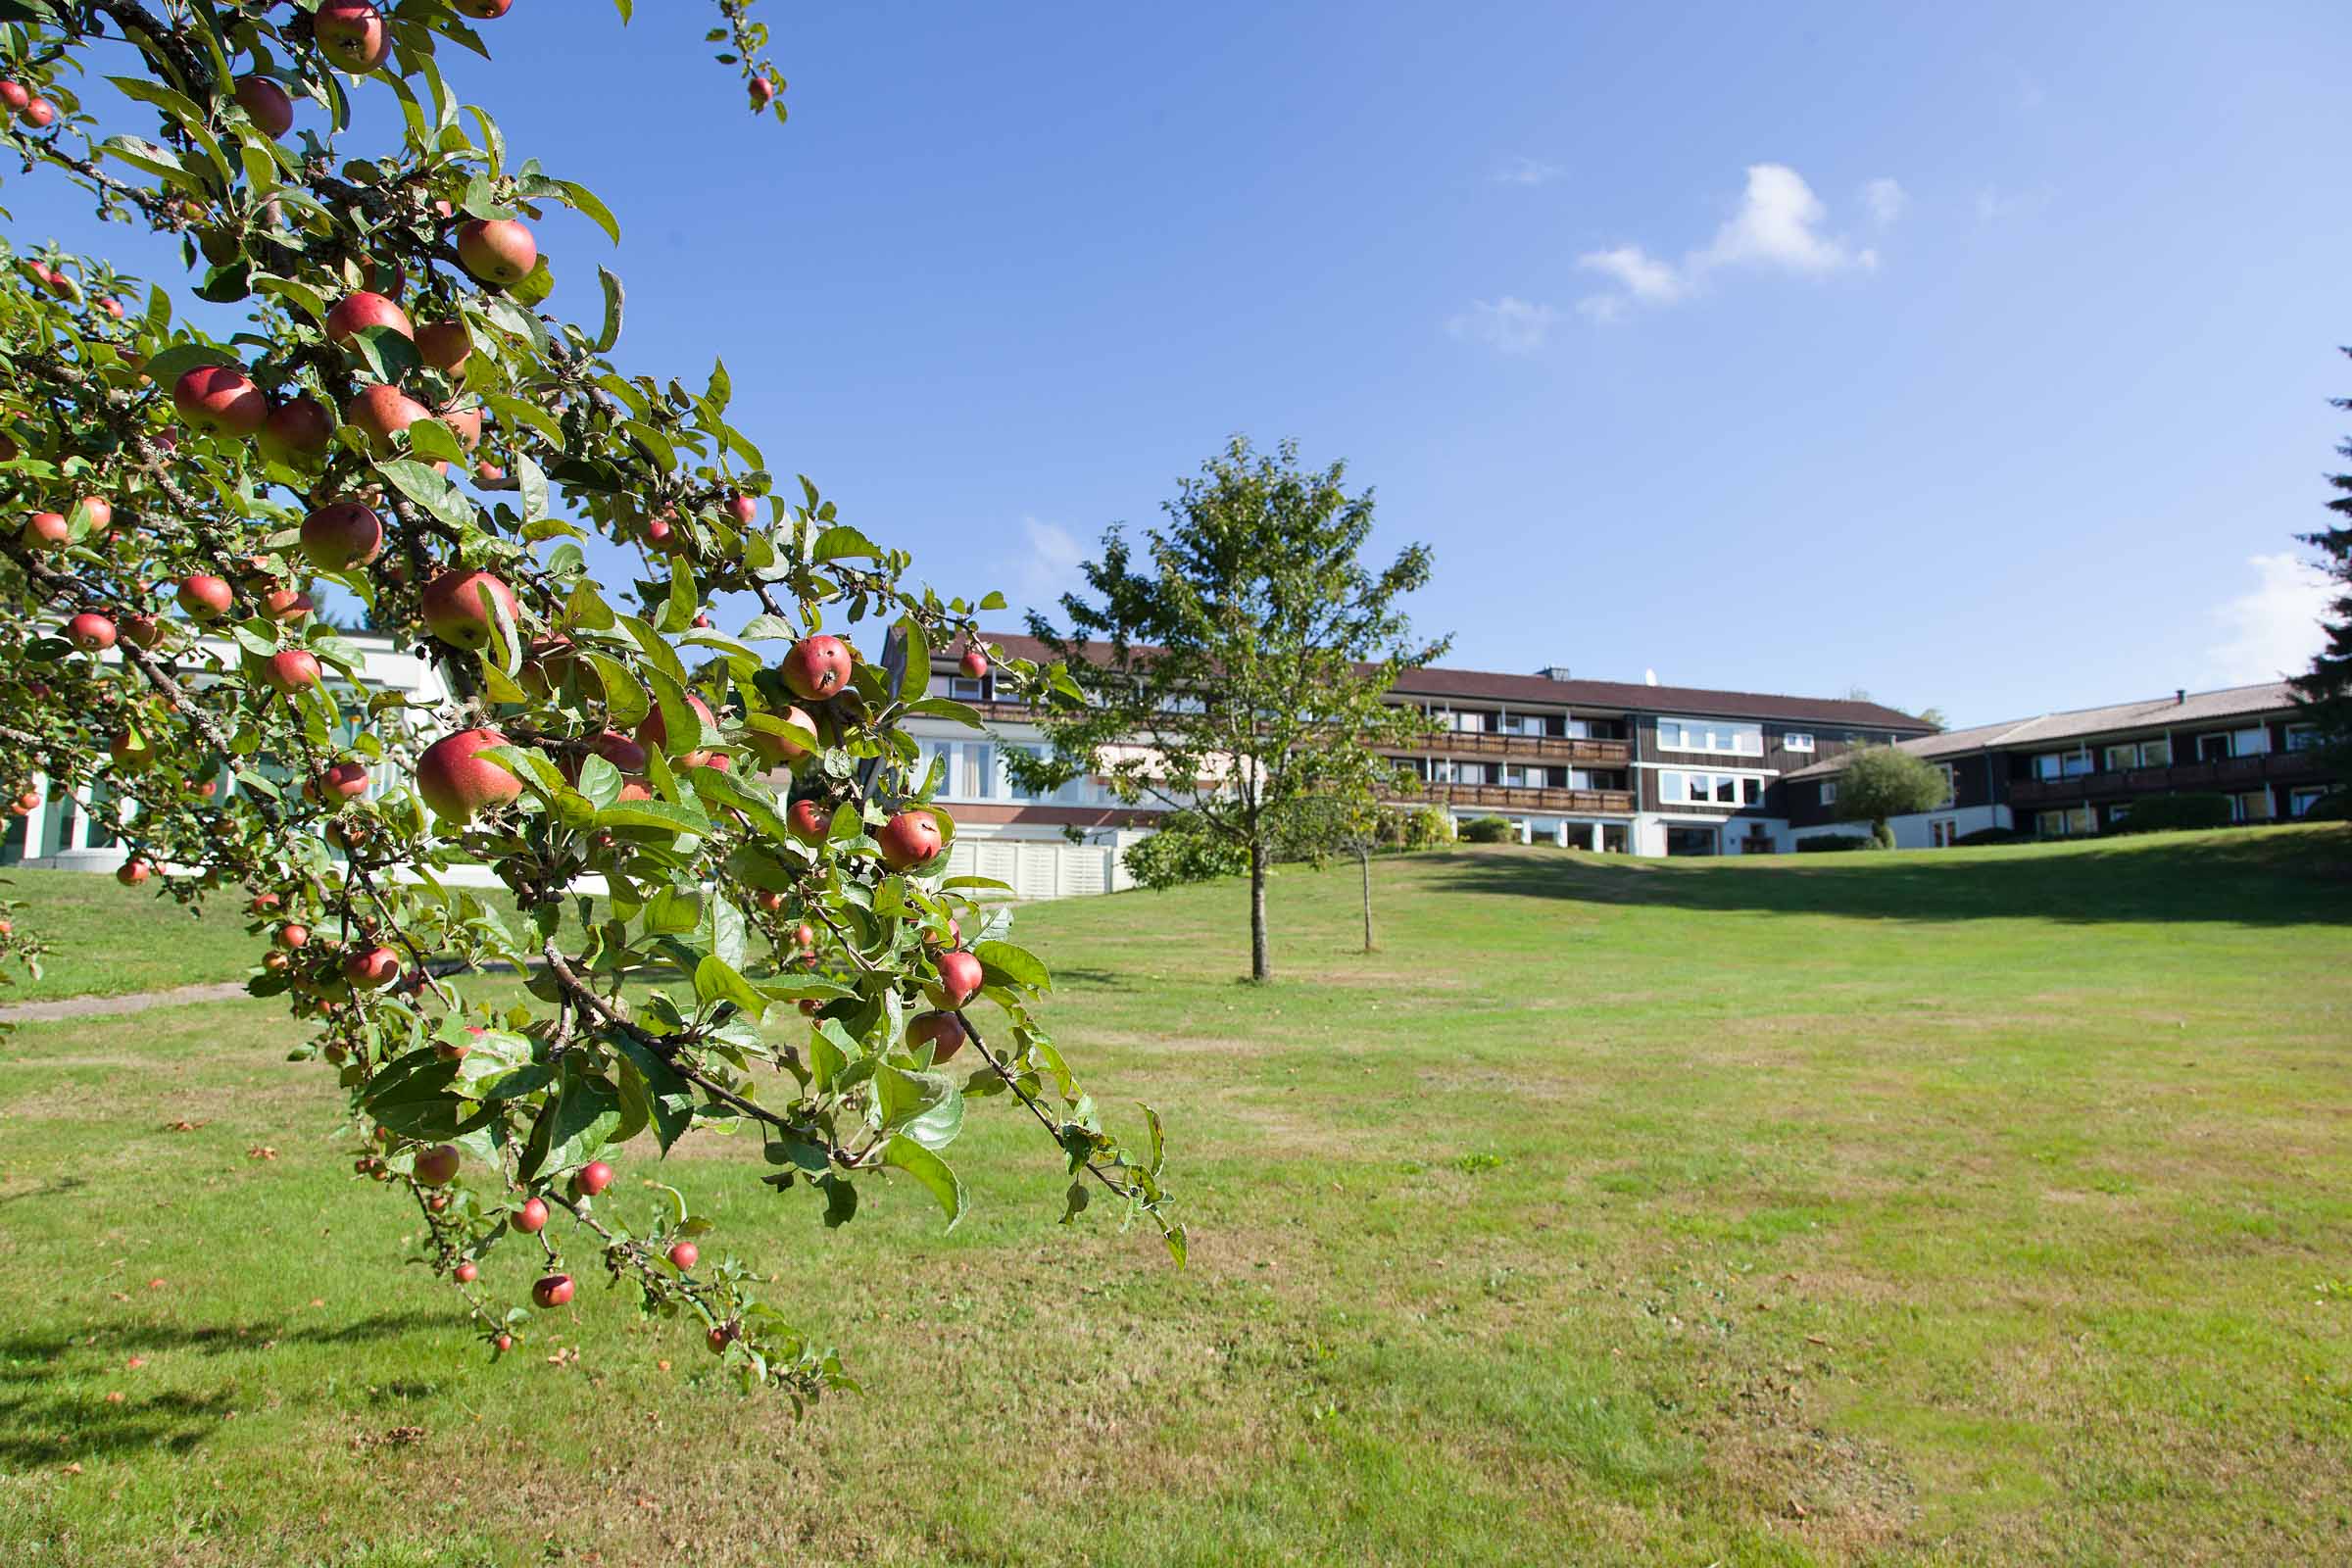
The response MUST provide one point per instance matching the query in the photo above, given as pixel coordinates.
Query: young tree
(1242, 667)
(1876, 782)
(183, 494)
(2325, 689)
(1326, 825)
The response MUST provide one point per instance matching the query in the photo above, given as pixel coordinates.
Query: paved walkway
(137, 1001)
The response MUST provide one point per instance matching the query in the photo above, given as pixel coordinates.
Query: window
(1710, 735)
(2302, 738)
(2157, 753)
(2213, 747)
(2252, 807)
(963, 689)
(1717, 790)
(1828, 792)
(1470, 724)
(1943, 835)
(2300, 802)
(2073, 820)
(1952, 784)
(2062, 764)
(1797, 740)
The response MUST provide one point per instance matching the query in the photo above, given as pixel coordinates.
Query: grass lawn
(1974, 1208)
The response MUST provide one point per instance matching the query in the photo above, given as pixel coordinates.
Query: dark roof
(1618, 696)
(2084, 723)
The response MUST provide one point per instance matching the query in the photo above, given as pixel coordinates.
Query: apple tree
(374, 395)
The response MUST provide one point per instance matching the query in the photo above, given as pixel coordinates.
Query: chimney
(1554, 673)
(2179, 697)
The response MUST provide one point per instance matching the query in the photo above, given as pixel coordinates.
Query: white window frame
(967, 689)
(1797, 740)
(2302, 737)
(1828, 792)
(2304, 797)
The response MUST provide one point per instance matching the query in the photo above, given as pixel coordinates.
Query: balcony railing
(1523, 748)
(1524, 798)
(2233, 772)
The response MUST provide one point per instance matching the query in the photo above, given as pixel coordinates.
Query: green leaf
(1007, 964)
(420, 484)
(933, 1172)
(579, 1119)
(585, 202)
(915, 677)
(841, 542)
(626, 702)
(715, 980)
(610, 333)
(653, 813)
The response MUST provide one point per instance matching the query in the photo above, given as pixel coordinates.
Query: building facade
(1613, 767)
(2070, 774)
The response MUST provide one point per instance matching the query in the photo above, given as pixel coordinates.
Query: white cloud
(1508, 325)
(1779, 228)
(1525, 171)
(2272, 629)
(1050, 568)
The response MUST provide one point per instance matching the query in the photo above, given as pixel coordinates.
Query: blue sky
(1977, 357)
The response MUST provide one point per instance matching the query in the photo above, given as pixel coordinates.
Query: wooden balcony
(1522, 749)
(2229, 774)
(1522, 798)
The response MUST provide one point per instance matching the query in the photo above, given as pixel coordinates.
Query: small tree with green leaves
(1327, 825)
(1242, 665)
(2324, 689)
(1878, 782)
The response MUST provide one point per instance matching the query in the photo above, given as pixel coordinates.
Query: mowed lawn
(1984, 1206)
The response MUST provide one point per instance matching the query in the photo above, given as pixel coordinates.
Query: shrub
(1415, 828)
(2333, 806)
(2160, 814)
(1832, 843)
(1180, 853)
(1488, 830)
(1993, 835)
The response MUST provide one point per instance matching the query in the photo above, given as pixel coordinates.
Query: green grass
(1978, 1207)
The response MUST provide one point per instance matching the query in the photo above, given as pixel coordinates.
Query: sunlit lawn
(1987, 1207)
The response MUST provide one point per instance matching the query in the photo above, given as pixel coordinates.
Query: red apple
(220, 400)
(144, 630)
(100, 512)
(286, 604)
(467, 1273)
(48, 530)
(438, 1165)
(809, 821)
(973, 663)
(531, 1218)
(942, 1031)
(553, 1290)
(746, 510)
(684, 1256)
(15, 95)
(384, 412)
(111, 306)
(346, 781)
(498, 251)
(341, 536)
(39, 114)
(484, 10)
(268, 105)
(131, 751)
(297, 429)
(653, 732)
(291, 670)
(960, 979)
(593, 1178)
(504, 1342)
(293, 938)
(722, 1335)
(91, 633)
(454, 610)
(131, 873)
(375, 968)
(444, 345)
(351, 34)
(909, 839)
(465, 424)
(817, 667)
(456, 783)
(619, 749)
(361, 310)
(764, 92)
(776, 751)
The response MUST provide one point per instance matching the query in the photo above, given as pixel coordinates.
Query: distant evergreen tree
(2324, 689)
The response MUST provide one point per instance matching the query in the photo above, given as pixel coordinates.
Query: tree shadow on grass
(2251, 877)
(42, 1422)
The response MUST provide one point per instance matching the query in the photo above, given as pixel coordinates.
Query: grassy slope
(1980, 1207)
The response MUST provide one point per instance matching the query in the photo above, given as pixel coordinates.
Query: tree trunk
(1363, 858)
(1261, 958)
